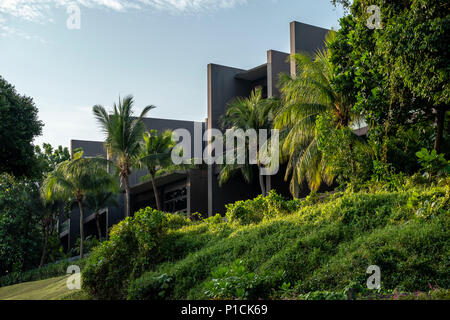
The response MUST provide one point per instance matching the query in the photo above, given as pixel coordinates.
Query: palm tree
(98, 200)
(247, 113)
(155, 155)
(123, 138)
(305, 96)
(73, 180)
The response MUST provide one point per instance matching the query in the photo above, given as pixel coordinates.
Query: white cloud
(7, 31)
(190, 6)
(39, 11)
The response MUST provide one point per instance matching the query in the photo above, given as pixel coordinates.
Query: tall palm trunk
(44, 250)
(97, 221)
(261, 182)
(127, 194)
(155, 191)
(80, 206)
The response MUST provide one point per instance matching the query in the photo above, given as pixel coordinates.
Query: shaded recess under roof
(160, 181)
(253, 74)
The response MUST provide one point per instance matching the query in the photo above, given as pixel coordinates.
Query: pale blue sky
(156, 50)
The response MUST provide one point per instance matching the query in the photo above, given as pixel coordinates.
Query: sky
(156, 50)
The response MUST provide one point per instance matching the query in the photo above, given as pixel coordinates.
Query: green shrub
(433, 163)
(403, 144)
(237, 282)
(214, 220)
(110, 264)
(131, 249)
(349, 164)
(232, 282)
(216, 223)
(255, 210)
(176, 221)
(151, 287)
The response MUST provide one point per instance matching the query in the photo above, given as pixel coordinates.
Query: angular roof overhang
(253, 74)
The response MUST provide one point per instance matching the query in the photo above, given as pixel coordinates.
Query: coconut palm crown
(155, 156)
(253, 112)
(74, 179)
(123, 138)
(306, 95)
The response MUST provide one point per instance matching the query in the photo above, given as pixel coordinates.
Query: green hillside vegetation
(318, 247)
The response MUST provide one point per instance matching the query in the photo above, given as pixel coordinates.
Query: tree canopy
(19, 126)
(399, 74)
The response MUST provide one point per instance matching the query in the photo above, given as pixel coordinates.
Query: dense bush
(349, 157)
(255, 210)
(237, 282)
(132, 247)
(433, 163)
(403, 145)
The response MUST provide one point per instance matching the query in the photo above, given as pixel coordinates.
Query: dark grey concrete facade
(277, 62)
(306, 38)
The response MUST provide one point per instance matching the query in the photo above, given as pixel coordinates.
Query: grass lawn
(49, 289)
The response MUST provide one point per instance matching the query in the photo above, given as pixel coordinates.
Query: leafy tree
(19, 125)
(305, 96)
(398, 75)
(249, 113)
(47, 160)
(417, 40)
(344, 3)
(49, 214)
(74, 179)
(123, 138)
(20, 236)
(155, 155)
(27, 224)
(349, 158)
